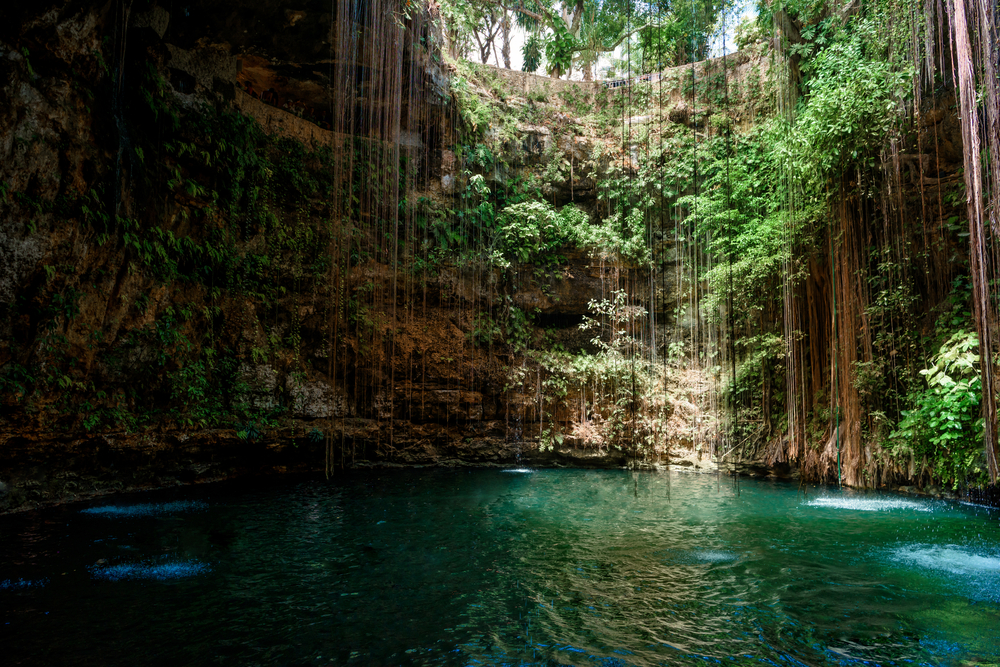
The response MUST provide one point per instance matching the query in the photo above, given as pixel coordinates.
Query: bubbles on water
(870, 504)
(714, 556)
(151, 571)
(975, 574)
(517, 470)
(145, 509)
(20, 584)
(947, 558)
(969, 503)
(703, 557)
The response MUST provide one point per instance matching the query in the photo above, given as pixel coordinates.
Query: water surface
(479, 567)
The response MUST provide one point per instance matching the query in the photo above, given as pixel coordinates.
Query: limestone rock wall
(137, 348)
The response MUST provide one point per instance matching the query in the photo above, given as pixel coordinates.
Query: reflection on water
(15, 584)
(480, 568)
(154, 571)
(144, 509)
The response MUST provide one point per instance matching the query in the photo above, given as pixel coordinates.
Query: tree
(579, 31)
(573, 29)
(492, 22)
(505, 27)
(459, 24)
(532, 52)
(479, 22)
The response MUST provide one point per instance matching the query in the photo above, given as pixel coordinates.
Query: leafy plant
(560, 48)
(532, 52)
(248, 431)
(944, 430)
(533, 231)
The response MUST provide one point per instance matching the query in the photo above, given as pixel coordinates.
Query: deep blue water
(485, 567)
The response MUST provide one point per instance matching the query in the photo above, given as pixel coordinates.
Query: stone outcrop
(97, 341)
(109, 174)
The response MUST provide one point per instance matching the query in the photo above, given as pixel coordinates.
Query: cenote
(491, 567)
(440, 332)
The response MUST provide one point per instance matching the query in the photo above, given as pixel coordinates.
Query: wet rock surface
(408, 386)
(44, 469)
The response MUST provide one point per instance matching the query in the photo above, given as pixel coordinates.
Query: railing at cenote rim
(622, 83)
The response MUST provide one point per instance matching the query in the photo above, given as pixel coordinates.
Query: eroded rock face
(94, 335)
(19, 257)
(347, 354)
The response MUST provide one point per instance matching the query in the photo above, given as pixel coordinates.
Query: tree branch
(605, 49)
(526, 12)
(546, 17)
(574, 27)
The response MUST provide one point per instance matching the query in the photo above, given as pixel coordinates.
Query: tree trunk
(976, 185)
(505, 28)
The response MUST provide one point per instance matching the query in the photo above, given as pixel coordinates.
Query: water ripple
(472, 567)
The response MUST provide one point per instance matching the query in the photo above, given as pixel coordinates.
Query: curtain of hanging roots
(378, 96)
(975, 44)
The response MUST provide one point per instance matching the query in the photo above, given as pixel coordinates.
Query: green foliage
(195, 400)
(739, 210)
(475, 113)
(626, 407)
(516, 326)
(531, 52)
(748, 32)
(577, 101)
(249, 431)
(219, 213)
(533, 231)
(853, 99)
(156, 93)
(944, 430)
(16, 381)
(659, 46)
(485, 330)
(27, 63)
(471, 26)
(559, 49)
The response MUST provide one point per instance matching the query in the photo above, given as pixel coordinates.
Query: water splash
(517, 470)
(984, 506)
(947, 558)
(870, 504)
(971, 573)
(146, 509)
(148, 571)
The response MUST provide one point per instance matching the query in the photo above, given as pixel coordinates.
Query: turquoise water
(486, 567)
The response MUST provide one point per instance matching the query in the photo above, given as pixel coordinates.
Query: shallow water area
(479, 567)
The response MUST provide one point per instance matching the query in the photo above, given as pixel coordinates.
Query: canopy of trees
(574, 34)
